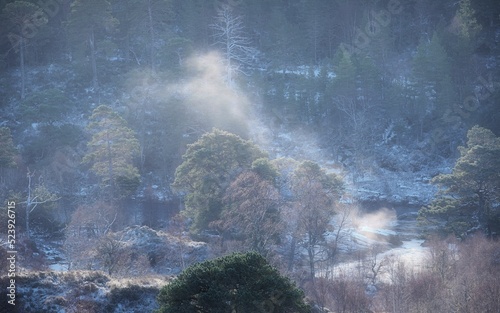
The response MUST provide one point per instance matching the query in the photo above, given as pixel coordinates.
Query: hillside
(138, 138)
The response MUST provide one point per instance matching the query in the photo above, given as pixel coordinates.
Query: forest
(250, 156)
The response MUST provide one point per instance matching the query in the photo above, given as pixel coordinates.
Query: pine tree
(7, 149)
(144, 26)
(87, 21)
(431, 70)
(209, 165)
(25, 18)
(111, 152)
(468, 25)
(234, 283)
(468, 197)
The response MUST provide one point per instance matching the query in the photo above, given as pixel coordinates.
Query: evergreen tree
(209, 165)
(144, 26)
(25, 18)
(431, 74)
(111, 152)
(46, 106)
(344, 84)
(469, 195)
(7, 149)
(468, 25)
(87, 21)
(234, 283)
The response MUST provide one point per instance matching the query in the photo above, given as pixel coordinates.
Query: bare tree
(315, 194)
(359, 129)
(111, 253)
(88, 225)
(38, 195)
(229, 34)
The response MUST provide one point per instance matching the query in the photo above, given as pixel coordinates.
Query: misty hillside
(349, 143)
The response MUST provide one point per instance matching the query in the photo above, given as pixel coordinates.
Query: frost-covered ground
(407, 184)
(85, 291)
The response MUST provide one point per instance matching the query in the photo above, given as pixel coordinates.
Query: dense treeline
(369, 78)
(105, 103)
(410, 73)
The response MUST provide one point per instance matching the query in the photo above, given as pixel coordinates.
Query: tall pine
(111, 153)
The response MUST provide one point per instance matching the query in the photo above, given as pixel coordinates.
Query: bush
(238, 282)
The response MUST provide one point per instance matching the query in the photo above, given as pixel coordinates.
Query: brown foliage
(253, 212)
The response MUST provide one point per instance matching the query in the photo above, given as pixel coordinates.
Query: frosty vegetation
(346, 153)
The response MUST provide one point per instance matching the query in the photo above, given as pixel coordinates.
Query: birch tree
(37, 195)
(316, 194)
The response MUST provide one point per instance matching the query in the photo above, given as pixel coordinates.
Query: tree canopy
(469, 195)
(209, 165)
(315, 196)
(8, 151)
(234, 283)
(111, 152)
(253, 212)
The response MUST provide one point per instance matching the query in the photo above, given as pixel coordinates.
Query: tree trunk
(21, 57)
(28, 206)
(110, 170)
(484, 212)
(152, 35)
(292, 254)
(95, 84)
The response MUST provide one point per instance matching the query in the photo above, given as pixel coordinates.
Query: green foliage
(469, 195)
(310, 173)
(111, 151)
(209, 165)
(45, 106)
(7, 149)
(431, 61)
(87, 17)
(235, 283)
(432, 91)
(144, 27)
(88, 23)
(20, 13)
(468, 25)
(45, 143)
(265, 169)
(344, 83)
